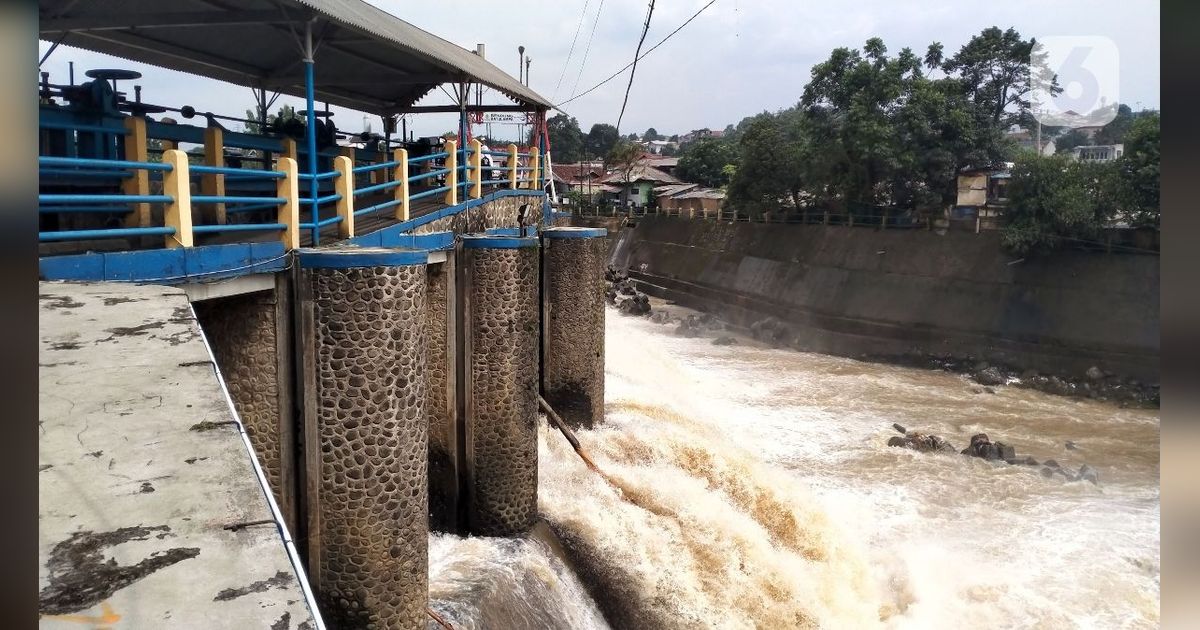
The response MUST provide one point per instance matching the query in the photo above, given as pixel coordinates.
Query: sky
(738, 58)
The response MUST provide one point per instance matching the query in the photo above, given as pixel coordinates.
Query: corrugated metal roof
(366, 59)
(703, 193)
(673, 189)
(642, 173)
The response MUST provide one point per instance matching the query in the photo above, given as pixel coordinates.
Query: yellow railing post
(512, 166)
(476, 168)
(535, 164)
(400, 174)
(344, 186)
(451, 148)
(289, 211)
(136, 150)
(178, 186)
(289, 148)
(214, 183)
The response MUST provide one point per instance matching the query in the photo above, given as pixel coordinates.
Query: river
(752, 487)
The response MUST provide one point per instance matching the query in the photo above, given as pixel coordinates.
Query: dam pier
(326, 345)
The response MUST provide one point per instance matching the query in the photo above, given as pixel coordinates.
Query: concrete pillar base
(500, 329)
(573, 262)
(362, 333)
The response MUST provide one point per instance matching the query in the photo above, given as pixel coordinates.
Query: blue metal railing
(428, 193)
(85, 235)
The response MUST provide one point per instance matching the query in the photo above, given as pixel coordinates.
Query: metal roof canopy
(364, 58)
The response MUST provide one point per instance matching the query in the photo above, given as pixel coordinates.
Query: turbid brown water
(758, 491)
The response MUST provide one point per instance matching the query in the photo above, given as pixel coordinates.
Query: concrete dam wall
(906, 293)
(390, 391)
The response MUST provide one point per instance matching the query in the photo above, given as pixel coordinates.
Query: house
(664, 164)
(640, 181)
(700, 134)
(1098, 153)
(1026, 140)
(657, 146)
(581, 177)
(704, 201)
(982, 196)
(665, 195)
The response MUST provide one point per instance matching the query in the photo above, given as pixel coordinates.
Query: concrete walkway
(151, 515)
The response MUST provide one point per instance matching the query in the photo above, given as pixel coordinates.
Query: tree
(1051, 198)
(1114, 132)
(1071, 139)
(777, 161)
(623, 157)
(600, 140)
(1140, 170)
(674, 138)
(994, 70)
(566, 138)
(651, 135)
(703, 162)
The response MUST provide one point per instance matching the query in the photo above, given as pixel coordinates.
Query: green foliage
(623, 157)
(873, 129)
(703, 162)
(1140, 169)
(600, 140)
(1071, 139)
(1114, 132)
(651, 135)
(1052, 198)
(566, 139)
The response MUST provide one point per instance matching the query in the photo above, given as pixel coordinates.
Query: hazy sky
(738, 58)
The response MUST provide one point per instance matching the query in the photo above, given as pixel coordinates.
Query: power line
(587, 50)
(578, 27)
(642, 56)
(645, 29)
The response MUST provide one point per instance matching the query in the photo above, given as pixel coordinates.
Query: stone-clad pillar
(500, 330)
(362, 337)
(251, 338)
(573, 323)
(442, 399)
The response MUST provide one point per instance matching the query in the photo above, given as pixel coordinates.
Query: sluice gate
(390, 392)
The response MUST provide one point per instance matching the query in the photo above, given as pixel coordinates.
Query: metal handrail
(48, 160)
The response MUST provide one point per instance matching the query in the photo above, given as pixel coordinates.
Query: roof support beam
(352, 81)
(445, 109)
(171, 19)
(153, 46)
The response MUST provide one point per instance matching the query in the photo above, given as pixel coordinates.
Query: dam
(283, 361)
(292, 377)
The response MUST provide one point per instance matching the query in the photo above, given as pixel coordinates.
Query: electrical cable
(643, 55)
(578, 27)
(642, 40)
(587, 49)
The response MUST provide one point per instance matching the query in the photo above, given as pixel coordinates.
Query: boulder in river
(921, 442)
(724, 341)
(990, 375)
(1087, 473)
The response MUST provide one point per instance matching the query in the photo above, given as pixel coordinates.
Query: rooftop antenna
(528, 60)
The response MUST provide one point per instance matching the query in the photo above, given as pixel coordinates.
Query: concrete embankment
(906, 294)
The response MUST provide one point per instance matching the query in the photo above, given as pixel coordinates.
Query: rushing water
(751, 487)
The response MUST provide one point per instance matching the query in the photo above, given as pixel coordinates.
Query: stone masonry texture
(369, 343)
(573, 320)
(502, 389)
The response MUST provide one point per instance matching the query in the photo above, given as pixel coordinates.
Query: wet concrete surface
(145, 521)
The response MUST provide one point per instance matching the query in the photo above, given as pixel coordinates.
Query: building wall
(906, 292)
(972, 190)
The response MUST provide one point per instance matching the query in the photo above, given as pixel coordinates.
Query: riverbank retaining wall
(861, 291)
